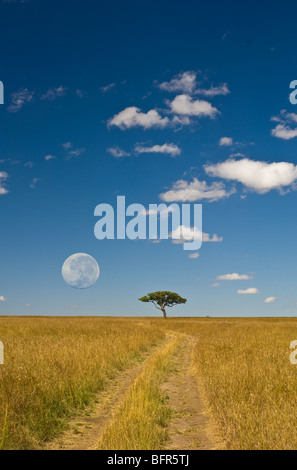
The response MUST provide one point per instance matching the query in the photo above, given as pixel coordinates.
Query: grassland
(54, 367)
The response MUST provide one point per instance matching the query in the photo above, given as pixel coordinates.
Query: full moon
(80, 271)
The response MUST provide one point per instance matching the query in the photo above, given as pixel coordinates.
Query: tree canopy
(163, 299)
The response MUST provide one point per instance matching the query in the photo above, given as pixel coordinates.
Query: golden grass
(141, 421)
(55, 366)
(249, 381)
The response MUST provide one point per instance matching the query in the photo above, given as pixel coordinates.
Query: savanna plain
(147, 383)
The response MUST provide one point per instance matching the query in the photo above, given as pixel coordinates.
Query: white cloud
(54, 93)
(3, 178)
(195, 191)
(184, 105)
(34, 182)
(286, 129)
(67, 145)
(117, 152)
(2, 298)
(270, 300)
(256, 175)
(162, 213)
(134, 117)
(216, 284)
(284, 132)
(71, 151)
(81, 94)
(170, 149)
(19, 98)
(233, 277)
(181, 120)
(185, 82)
(49, 157)
(226, 142)
(194, 255)
(184, 233)
(214, 90)
(107, 88)
(237, 155)
(251, 290)
(75, 152)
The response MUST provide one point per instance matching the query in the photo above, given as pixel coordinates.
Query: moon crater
(80, 271)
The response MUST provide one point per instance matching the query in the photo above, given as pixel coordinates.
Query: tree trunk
(164, 313)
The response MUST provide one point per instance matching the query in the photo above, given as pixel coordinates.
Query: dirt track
(85, 432)
(190, 427)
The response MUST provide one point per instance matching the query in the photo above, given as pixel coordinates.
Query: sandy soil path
(191, 426)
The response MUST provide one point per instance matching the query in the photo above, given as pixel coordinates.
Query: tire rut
(191, 427)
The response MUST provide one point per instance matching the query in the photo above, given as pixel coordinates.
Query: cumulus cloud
(49, 157)
(185, 82)
(284, 132)
(3, 178)
(2, 298)
(185, 105)
(117, 152)
(256, 175)
(19, 99)
(226, 142)
(233, 277)
(134, 117)
(286, 128)
(251, 290)
(195, 190)
(170, 149)
(270, 300)
(214, 90)
(54, 93)
(184, 233)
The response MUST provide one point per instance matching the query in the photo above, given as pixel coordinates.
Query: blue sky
(128, 98)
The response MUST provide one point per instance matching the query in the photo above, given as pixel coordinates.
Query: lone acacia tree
(163, 299)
